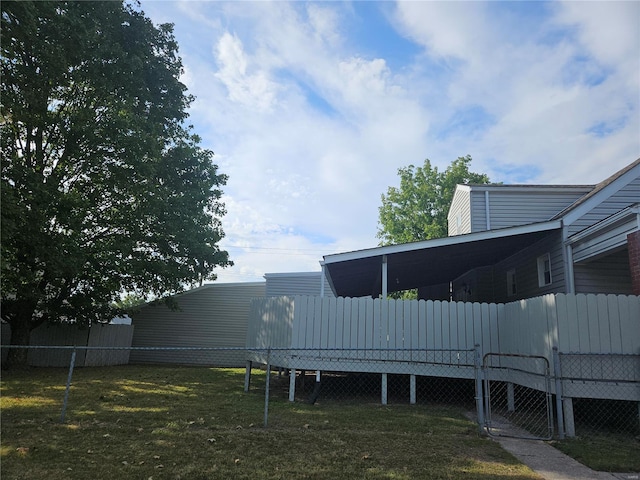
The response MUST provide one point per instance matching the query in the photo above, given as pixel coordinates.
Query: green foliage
(411, 294)
(130, 302)
(104, 188)
(417, 210)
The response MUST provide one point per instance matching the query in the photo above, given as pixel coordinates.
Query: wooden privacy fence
(374, 331)
(98, 335)
(574, 323)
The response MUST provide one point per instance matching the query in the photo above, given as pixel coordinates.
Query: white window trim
(542, 271)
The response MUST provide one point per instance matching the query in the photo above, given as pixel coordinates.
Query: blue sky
(311, 107)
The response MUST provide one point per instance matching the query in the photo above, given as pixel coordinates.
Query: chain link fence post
(66, 392)
(479, 395)
(247, 375)
(557, 374)
(266, 388)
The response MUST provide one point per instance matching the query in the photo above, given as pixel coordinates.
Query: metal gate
(518, 400)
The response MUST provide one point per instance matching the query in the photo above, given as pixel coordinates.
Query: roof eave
(438, 242)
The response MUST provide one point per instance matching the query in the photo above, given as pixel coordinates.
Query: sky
(312, 107)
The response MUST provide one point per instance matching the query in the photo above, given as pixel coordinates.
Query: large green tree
(104, 189)
(417, 209)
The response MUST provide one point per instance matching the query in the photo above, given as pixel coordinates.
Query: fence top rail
(84, 347)
(250, 349)
(513, 355)
(289, 349)
(313, 349)
(603, 355)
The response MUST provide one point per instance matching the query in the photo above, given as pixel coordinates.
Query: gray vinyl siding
(626, 196)
(608, 274)
(478, 211)
(511, 206)
(526, 267)
(479, 286)
(486, 280)
(460, 208)
(296, 283)
(214, 315)
(510, 209)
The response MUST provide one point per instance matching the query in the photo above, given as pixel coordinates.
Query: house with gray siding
(510, 242)
(477, 208)
(212, 316)
(297, 283)
(515, 278)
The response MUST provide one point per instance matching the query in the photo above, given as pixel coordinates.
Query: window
(544, 270)
(512, 288)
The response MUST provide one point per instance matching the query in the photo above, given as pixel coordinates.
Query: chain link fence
(585, 394)
(601, 394)
(518, 399)
(510, 395)
(374, 375)
(62, 360)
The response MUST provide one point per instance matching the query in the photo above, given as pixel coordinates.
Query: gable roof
(632, 170)
(517, 187)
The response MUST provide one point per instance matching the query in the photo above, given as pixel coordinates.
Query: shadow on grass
(136, 422)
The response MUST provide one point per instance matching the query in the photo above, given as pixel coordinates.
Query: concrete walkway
(551, 463)
(546, 461)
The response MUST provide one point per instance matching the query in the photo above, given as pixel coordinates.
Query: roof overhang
(430, 262)
(605, 236)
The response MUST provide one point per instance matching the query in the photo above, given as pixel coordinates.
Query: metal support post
(247, 376)
(511, 397)
(479, 389)
(569, 422)
(292, 385)
(384, 389)
(316, 389)
(385, 280)
(266, 388)
(557, 373)
(66, 392)
(412, 389)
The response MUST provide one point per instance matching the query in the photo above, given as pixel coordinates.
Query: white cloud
(360, 78)
(311, 130)
(609, 30)
(543, 96)
(453, 29)
(251, 90)
(325, 23)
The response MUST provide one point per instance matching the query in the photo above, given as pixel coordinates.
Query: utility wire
(276, 250)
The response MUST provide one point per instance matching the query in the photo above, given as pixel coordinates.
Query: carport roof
(430, 262)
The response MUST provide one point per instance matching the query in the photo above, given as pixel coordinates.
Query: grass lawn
(606, 453)
(142, 422)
